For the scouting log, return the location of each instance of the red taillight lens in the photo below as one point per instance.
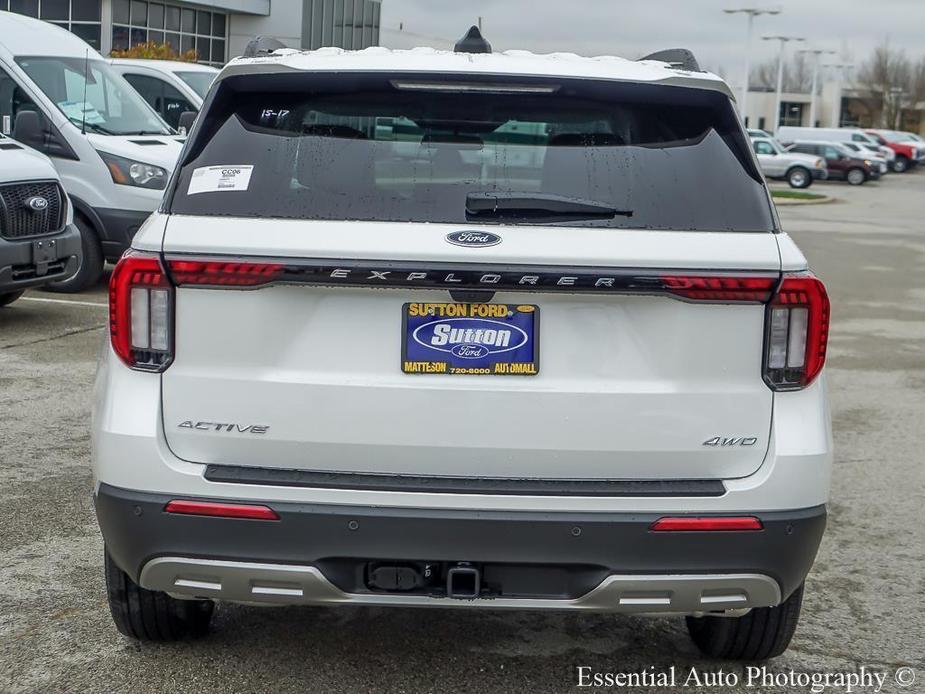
(141, 312)
(720, 289)
(211, 508)
(796, 332)
(706, 524)
(223, 274)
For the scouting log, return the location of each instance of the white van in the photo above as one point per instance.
(113, 152)
(788, 134)
(170, 86)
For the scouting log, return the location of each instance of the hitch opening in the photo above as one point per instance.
(463, 582)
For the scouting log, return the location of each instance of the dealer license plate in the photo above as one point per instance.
(470, 339)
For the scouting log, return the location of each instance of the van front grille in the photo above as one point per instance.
(31, 209)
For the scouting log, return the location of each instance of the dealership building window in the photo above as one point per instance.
(350, 24)
(184, 28)
(215, 32)
(83, 17)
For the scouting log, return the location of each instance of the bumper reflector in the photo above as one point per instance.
(706, 524)
(210, 508)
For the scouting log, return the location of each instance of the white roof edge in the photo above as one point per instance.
(512, 62)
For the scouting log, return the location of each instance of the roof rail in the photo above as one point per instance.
(473, 42)
(679, 58)
(262, 45)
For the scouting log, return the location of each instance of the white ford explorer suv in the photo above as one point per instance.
(465, 329)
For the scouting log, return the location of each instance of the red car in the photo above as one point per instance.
(909, 151)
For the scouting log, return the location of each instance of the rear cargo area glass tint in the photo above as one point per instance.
(430, 148)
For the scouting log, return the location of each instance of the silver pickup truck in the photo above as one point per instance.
(799, 170)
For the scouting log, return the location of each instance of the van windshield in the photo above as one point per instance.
(91, 94)
(458, 149)
(199, 82)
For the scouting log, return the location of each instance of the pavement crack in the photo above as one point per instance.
(67, 333)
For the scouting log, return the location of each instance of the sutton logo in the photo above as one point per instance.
(470, 338)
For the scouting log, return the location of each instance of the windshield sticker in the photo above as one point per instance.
(81, 111)
(214, 179)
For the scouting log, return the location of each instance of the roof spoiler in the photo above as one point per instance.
(679, 58)
(262, 45)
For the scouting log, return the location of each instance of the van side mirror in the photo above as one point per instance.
(34, 130)
(185, 124)
(29, 129)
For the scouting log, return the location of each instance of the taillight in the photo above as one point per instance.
(796, 332)
(719, 289)
(219, 273)
(141, 312)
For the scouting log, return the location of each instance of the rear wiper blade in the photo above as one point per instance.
(539, 205)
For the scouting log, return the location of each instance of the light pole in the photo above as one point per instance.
(751, 13)
(897, 93)
(784, 40)
(839, 80)
(815, 52)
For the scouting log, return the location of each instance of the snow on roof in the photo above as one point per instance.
(515, 62)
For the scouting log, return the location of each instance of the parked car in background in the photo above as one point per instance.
(755, 132)
(38, 240)
(170, 87)
(909, 151)
(798, 169)
(864, 151)
(787, 135)
(842, 163)
(113, 153)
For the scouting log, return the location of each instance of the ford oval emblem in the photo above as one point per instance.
(475, 239)
(37, 203)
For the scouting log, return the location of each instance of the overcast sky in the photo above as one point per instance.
(631, 28)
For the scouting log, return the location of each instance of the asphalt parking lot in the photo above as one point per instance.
(865, 601)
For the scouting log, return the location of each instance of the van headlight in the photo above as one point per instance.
(127, 172)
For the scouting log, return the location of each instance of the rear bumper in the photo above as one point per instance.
(22, 265)
(318, 554)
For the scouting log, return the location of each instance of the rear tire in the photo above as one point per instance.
(900, 164)
(148, 615)
(763, 633)
(799, 177)
(856, 177)
(91, 264)
(9, 297)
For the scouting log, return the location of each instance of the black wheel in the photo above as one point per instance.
(799, 177)
(91, 264)
(9, 297)
(763, 633)
(856, 176)
(901, 164)
(149, 615)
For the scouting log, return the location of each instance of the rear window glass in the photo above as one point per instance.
(461, 149)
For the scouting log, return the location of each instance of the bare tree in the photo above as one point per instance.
(798, 75)
(888, 80)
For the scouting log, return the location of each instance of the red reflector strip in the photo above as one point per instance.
(705, 524)
(224, 274)
(724, 289)
(209, 508)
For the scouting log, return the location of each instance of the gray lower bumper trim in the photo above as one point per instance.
(287, 584)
